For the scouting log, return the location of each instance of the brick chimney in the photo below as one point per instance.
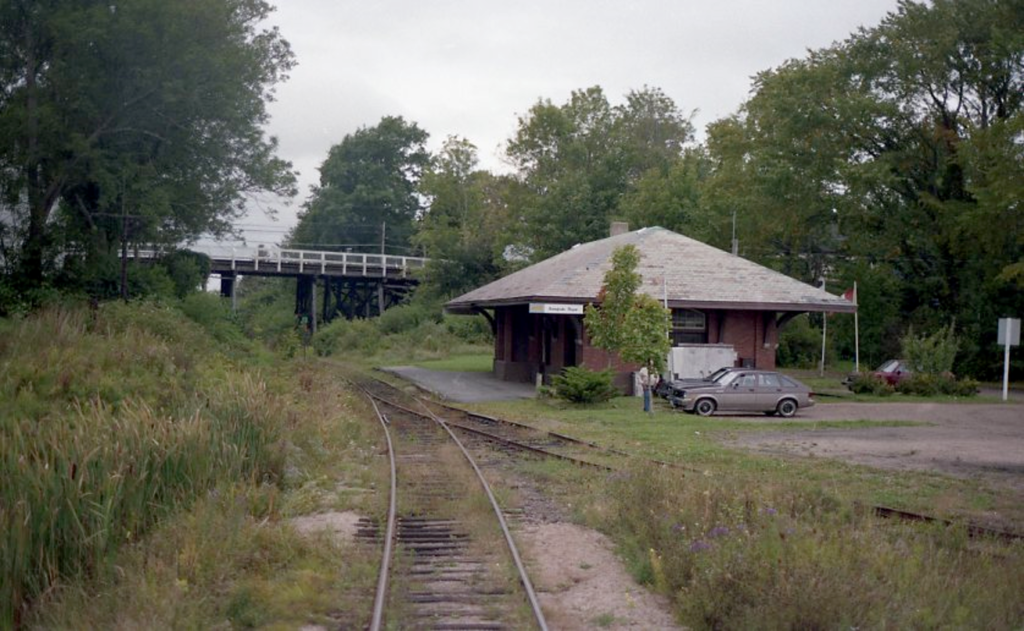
(618, 227)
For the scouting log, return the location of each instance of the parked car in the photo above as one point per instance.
(745, 390)
(667, 388)
(893, 371)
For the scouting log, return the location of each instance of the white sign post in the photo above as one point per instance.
(1009, 335)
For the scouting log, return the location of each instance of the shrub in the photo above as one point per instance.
(213, 313)
(866, 383)
(347, 336)
(582, 385)
(799, 344)
(927, 385)
(404, 318)
(472, 330)
(934, 354)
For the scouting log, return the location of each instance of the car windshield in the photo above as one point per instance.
(890, 366)
(718, 374)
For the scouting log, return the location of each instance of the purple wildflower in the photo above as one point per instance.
(718, 531)
(699, 546)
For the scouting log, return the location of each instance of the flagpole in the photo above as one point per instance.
(824, 328)
(856, 332)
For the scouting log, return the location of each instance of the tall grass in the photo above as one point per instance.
(733, 557)
(109, 421)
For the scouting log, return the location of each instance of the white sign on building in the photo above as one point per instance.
(553, 308)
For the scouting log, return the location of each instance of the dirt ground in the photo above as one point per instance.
(979, 441)
(581, 584)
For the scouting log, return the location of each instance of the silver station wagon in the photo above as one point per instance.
(746, 391)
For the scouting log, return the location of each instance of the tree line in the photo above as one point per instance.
(894, 159)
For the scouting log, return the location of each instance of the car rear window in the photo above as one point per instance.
(789, 383)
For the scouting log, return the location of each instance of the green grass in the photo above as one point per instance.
(474, 362)
(148, 478)
(698, 442)
(748, 541)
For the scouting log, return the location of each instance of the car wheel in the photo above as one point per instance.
(787, 408)
(705, 407)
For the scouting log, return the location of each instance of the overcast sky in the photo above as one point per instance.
(471, 67)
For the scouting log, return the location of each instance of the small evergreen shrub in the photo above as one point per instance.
(582, 385)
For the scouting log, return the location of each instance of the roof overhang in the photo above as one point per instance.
(472, 308)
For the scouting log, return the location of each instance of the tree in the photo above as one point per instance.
(670, 196)
(576, 161)
(893, 155)
(463, 228)
(142, 116)
(368, 185)
(635, 326)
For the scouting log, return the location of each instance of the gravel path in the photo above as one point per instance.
(961, 439)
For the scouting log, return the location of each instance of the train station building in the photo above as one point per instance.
(726, 310)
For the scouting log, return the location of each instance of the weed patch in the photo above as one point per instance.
(778, 557)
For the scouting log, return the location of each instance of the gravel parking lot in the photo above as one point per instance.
(968, 440)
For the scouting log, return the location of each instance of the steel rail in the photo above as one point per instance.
(563, 437)
(494, 437)
(513, 550)
(382, 579)
(973, 530)
(523, 446)
(524, 578)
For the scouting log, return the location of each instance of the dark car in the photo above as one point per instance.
(893, 371)
(745, 390)
(667, 388)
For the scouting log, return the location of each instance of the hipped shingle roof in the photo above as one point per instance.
(689, 273)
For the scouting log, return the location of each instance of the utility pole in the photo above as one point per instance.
(124, 249)
(383, 269)
(735, 243)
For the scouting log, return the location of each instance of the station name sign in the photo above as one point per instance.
(554, 308)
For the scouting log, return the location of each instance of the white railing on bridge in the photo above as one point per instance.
(307, 261)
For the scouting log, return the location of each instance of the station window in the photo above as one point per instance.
(689, 326)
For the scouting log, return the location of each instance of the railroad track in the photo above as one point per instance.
(516, 437)
(449, 561)
(519, 437)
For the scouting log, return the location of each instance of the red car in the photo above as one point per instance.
(893, 371)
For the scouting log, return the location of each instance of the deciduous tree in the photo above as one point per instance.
(145, 108)
(368, 189)
(464, 225)
(633, 325)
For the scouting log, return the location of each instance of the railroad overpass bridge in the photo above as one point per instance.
(352, 284)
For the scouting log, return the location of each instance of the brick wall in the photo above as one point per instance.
(748, 332)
